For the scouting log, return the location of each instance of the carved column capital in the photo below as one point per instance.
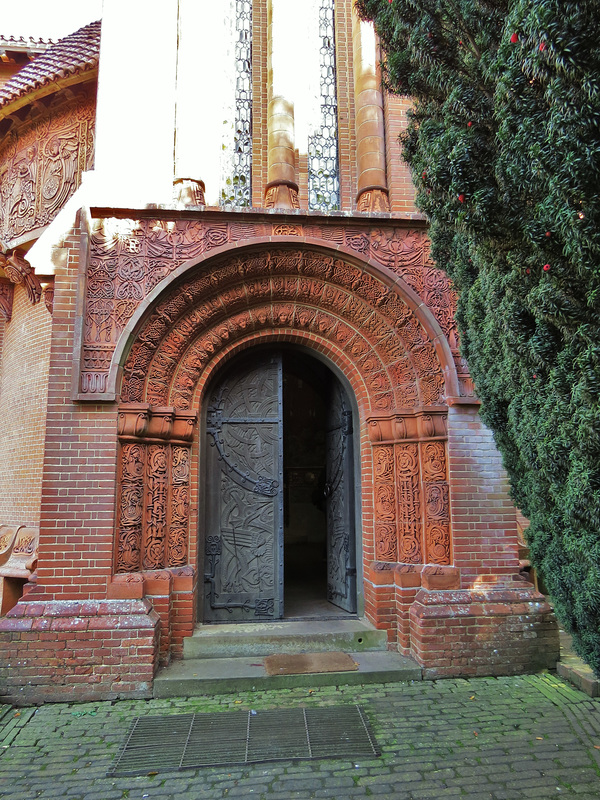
(19, 270)
(419, 425)
(6, 299)
(189, 191)
(145, 422)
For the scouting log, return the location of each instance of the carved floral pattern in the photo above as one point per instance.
(385, 504)
(153, 494)
(130, 258)
(189, 327)
(409, 503)
(130, 508)
(437, 506)
(41, 165)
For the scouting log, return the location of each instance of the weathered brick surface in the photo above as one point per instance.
(485, 631)
(84, 650)
(24, 359)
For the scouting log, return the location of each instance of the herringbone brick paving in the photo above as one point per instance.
(492, 738)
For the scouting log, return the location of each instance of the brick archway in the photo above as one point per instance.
(357, 321)
(291, 291)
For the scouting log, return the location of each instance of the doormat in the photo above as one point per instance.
(190, 741)
(301, 663)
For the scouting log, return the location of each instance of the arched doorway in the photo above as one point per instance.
(279, 491)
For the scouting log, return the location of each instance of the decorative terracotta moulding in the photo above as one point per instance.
(161, 422)
(400, 427)
(133, 420)
(19, 270)
(6, 299)
(143, 421)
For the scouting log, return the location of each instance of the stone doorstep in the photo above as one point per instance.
(191, 677)
(265, 638)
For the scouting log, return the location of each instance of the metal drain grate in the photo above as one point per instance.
(187, 741)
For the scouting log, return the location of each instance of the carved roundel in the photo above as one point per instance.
(323, 298)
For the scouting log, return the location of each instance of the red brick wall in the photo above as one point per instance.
(78, 487)
(489, 631)
(61, 651)
(346, 110)
(484, 529)
(24, 360)
(401, 189)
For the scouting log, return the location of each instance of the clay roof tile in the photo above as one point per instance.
(74, 54)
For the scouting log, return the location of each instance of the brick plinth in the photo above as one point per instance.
(65, 650)
(483, 631)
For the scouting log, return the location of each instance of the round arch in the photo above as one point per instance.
(359, 270)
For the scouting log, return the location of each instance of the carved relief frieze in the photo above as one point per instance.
(437, 504)
(129, 258)
(411, 490)
(192, 324)
(153, 487)
(41, 163)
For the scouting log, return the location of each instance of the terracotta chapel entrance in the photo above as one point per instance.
(279, 491)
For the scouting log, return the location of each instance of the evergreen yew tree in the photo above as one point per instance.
(504, 146)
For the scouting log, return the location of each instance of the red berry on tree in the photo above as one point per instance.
(527, 271)
(546, 267)
(469, 124)
(514, 38)
(461, 198)
(542, 46)
(424, 176)
(548, 234)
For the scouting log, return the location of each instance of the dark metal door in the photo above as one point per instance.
(339, 491)
(244, 537)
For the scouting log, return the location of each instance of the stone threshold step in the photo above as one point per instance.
(193, 677)
(264, 638)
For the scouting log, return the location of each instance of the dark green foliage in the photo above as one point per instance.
(516, 190)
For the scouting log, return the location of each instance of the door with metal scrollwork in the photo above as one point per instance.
(243, 564)
(339, 492)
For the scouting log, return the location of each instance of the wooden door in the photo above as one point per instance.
(244, 494)
(339, 491)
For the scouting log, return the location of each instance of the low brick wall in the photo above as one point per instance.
(64, 650)
(483, 631)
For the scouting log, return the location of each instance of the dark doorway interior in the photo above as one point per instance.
(306, 394)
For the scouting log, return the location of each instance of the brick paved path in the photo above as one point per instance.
(502, 739)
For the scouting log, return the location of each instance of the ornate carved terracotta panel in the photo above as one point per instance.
(41, 164)
(6, 299)
(412, 513)
(153, 487)
(129, 258)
